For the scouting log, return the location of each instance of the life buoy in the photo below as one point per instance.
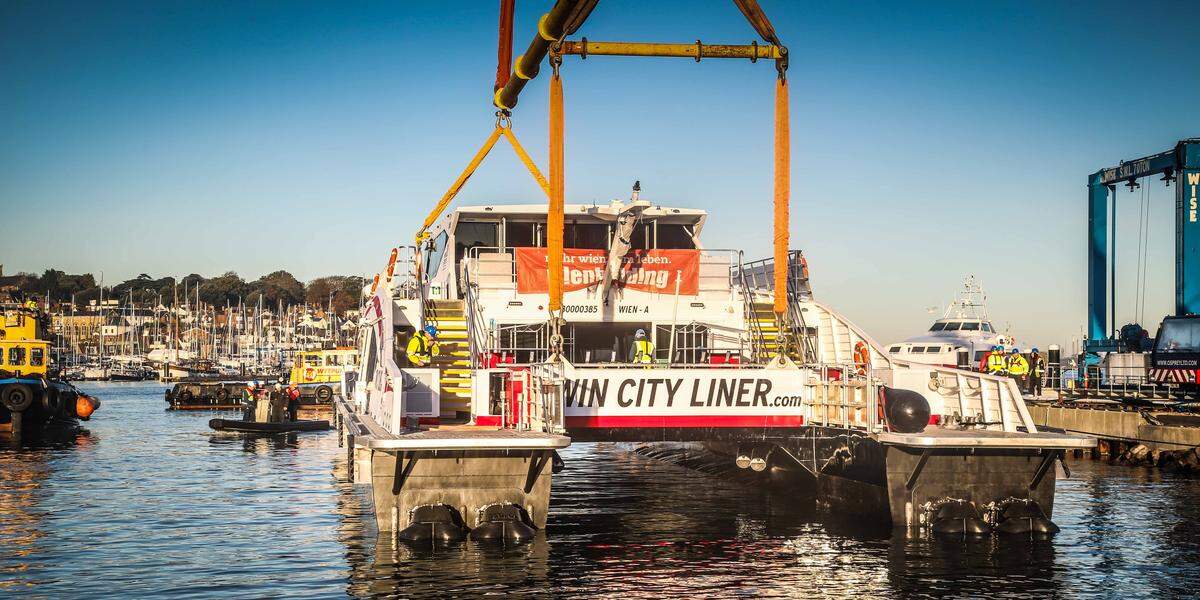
(803, 267)
(310, 374)
(862, 357)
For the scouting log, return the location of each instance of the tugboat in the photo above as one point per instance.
(33, 395)
(318, 373)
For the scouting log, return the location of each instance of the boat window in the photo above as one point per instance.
(933, 349)
(987, 327)
(640, 237)
(1178, 335)
(312, 360)
(894, 349)
(953, 326)
(37, 357)
(16, 356)
(433, 254)
(917, 350)
(519, 235)
(938, 327)
(474, 235)
(332, 360)
(590, 236)
(674, 237)
(970, 326)
(979, 354)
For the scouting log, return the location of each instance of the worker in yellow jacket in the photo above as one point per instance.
(643, 348)
(422, 347)
(997, 363)
(1018, 367)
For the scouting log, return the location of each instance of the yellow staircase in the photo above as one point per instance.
(762, 316)
(455, 357)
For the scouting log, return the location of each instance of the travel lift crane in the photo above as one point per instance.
(1181, 166)
(563, 19)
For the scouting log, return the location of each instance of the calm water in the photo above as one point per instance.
(151, 503)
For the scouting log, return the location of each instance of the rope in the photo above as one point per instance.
(503, 128)
(458, 183)
(524, 156)
(1146, 270)
(782, 192)
(1137, 291)
(554, 217)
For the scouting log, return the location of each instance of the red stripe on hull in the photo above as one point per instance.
(648, 421)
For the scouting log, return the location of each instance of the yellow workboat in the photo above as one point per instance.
(32, 393)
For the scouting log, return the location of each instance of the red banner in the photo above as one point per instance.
(644, 270)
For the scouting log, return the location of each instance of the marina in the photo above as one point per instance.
(654, 351)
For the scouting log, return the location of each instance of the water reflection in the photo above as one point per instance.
(154, 504)
(636, 527)
(25, 468)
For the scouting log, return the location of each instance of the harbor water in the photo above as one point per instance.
(151, 503)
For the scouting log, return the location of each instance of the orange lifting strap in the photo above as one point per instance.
(554, 215)
(503, 128)
(783, 159)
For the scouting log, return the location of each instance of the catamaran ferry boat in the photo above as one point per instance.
(467, 444)
(962, 337)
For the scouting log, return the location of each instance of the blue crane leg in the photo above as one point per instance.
(1097, 253)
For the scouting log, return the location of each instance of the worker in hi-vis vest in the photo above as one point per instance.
(1037, 368)
(423, 346)
(997, 364)
(1018, 367)
(643, 348)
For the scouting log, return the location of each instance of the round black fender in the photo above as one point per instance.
(959, 518)
(432, 524)
(65, 400)
(1024, 517)
(906, 410)
(324, 393)
(52, 401)
(504, 524)
(222, 394)
(16, 396)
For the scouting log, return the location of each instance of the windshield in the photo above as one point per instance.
(953, 326)
(970, 326)
(938, 327)
(1178, 335)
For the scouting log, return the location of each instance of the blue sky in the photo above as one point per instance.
(930, 140)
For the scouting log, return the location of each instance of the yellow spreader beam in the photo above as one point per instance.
(698, 50)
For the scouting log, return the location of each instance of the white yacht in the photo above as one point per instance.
(962, 337)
